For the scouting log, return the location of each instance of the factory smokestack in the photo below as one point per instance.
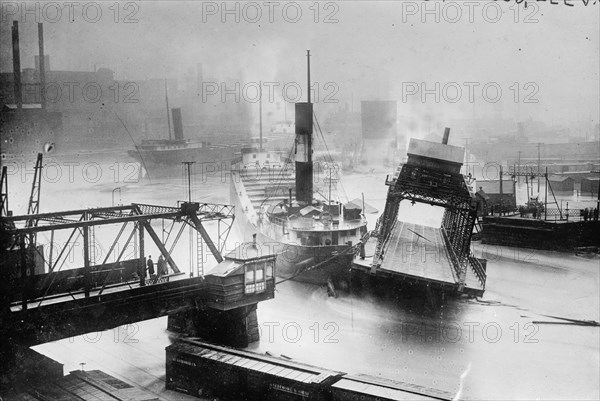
(446, 136)
(17, 65)
(42, 66)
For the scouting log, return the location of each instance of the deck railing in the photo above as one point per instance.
(456, 264)
(478, 269)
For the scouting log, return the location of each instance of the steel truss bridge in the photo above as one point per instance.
(453, 267)
(58, 303)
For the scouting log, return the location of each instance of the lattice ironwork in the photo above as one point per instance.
(83, 222)
(4, 193)
(207, 211)
(108, 214)
(448, 190)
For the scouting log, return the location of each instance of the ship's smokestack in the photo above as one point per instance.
(446, 136)
(17, 65)
(42, 66)
(168, 114)
(304, 166)
(304, 130)
(177, 124)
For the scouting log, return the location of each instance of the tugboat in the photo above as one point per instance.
(314, 239)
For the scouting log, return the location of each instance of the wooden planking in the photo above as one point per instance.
(91, 385)
(418, 251)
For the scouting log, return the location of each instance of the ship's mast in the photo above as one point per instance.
(260, 114)
(308, 74)
(168, 114)
(303, 150)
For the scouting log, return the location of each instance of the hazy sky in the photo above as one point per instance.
(371, 50)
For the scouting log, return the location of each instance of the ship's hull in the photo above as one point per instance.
(169, 161)
(311, 264)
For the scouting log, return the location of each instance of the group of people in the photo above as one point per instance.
(590, 214)
(161, 270)
(535, 210)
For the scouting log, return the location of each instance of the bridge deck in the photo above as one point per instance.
(94, 292)
(417, 253)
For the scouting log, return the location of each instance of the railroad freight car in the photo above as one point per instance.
(368, 388)
(207, 370)
(211, 371)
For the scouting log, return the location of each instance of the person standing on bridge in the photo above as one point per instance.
(161, 266)
(150, 265)
(140, 274)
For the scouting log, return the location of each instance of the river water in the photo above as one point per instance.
(477, 349)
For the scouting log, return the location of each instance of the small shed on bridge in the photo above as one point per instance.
(245, 276)
(235, 286)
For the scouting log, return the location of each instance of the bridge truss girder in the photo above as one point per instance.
(447, 190)
(82, 222)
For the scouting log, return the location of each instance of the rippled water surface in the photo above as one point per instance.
(479, 349)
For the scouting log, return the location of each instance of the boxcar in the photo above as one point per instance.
(207, 370)
(367, 388)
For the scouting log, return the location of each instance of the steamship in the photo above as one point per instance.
(162, 157)
(274, 191)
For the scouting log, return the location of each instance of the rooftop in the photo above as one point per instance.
(225, 268)
(249, 251)
(297, 371)
(434, 150)
(559, 178)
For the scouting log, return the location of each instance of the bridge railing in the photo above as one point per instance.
(456, 264)
(382, 240)
(472, 262)
(478, 269)
(73, 287)
(61, 282)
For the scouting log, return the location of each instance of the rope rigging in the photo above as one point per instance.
(343, 190)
